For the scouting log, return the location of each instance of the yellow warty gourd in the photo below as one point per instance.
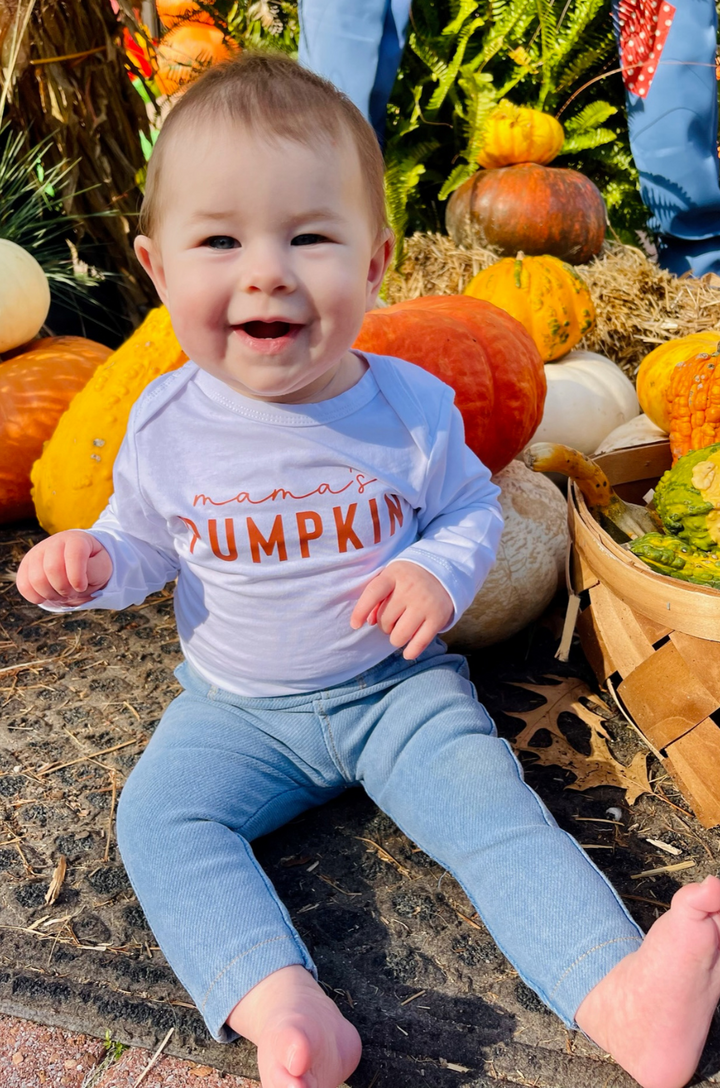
(72, 478)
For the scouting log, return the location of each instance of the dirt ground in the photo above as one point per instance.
(397, 943)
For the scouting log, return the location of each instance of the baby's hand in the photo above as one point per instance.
(64, 569)
(407, 603)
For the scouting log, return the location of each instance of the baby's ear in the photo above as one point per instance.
(148, 254)
(379, 265)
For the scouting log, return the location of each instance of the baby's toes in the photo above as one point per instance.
(698, 899)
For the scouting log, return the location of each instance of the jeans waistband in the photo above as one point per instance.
(388, 671)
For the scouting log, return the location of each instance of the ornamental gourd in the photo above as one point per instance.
(24, 296)
(693, 399)
(536, 209)
(653, 377)
(36, 386)
(687, 498)
(515, 134)
(672, 556)
(478, 349)
(548, 298)
(72, 480)
(529, 565)
(588, 396)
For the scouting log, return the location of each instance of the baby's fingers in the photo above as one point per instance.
(420, 640)
(375, 592)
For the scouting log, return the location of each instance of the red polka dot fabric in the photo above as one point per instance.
(644, 27)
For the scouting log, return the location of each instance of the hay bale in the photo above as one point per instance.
(639, 305)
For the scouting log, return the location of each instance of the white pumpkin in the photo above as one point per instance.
(638, 432)
(530, 563)
(24, 296)
(588, 396)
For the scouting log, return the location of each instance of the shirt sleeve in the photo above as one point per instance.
(136, 537)
(460, 521)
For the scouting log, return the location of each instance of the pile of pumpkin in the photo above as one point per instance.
(515, 377)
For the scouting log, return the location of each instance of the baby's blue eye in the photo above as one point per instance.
(221, 241)
(308, 239)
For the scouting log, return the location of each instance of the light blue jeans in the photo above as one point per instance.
(221, 770)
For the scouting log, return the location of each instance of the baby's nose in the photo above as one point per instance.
(267, 270)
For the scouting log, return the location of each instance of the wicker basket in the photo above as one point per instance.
(653, 639)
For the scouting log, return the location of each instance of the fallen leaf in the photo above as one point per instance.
(599, 768)
(202, 1071)
(18, 1058)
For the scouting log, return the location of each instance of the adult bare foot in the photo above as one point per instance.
(303, 1040)
(652, 1011)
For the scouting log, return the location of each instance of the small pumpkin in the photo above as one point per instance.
(653, 377)
(72, 479)
(24, 296)
(516, 134)
(588, 396)
(547, 297)
(185, 51)
(530, 563)
(35, 389)
(536, 209)
(478, 349)
(172, 12)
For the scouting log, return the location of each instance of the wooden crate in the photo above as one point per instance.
(653, 639)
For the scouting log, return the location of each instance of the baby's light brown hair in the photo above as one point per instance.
(273, 96)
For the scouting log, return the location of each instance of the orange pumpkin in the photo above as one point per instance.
(517, 134)
(35, 389)
(536, 209)
(693, 399)
(186, 51)
(478, 349)
(172, 12)
(653, 377)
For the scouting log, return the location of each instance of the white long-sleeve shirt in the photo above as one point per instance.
(274, 517)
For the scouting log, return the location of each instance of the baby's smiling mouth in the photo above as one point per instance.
(268, 330)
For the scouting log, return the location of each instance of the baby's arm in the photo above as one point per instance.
(127, 554)
(66, 569)
(425, 590)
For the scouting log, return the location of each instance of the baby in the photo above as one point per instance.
(326, 522)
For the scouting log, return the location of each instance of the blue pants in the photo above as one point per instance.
(221, 770)
(357, 45)
(673, 136)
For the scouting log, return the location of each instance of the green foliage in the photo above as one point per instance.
(464, 57)
(32, 216)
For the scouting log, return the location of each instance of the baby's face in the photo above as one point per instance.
(266, 258)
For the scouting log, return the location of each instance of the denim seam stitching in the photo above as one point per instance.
(597, 947)
(268, 940)
(338, 762)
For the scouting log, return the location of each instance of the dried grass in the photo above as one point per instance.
(639, 305)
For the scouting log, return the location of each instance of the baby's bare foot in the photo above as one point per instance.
(303, 1040)
(652, 1012)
